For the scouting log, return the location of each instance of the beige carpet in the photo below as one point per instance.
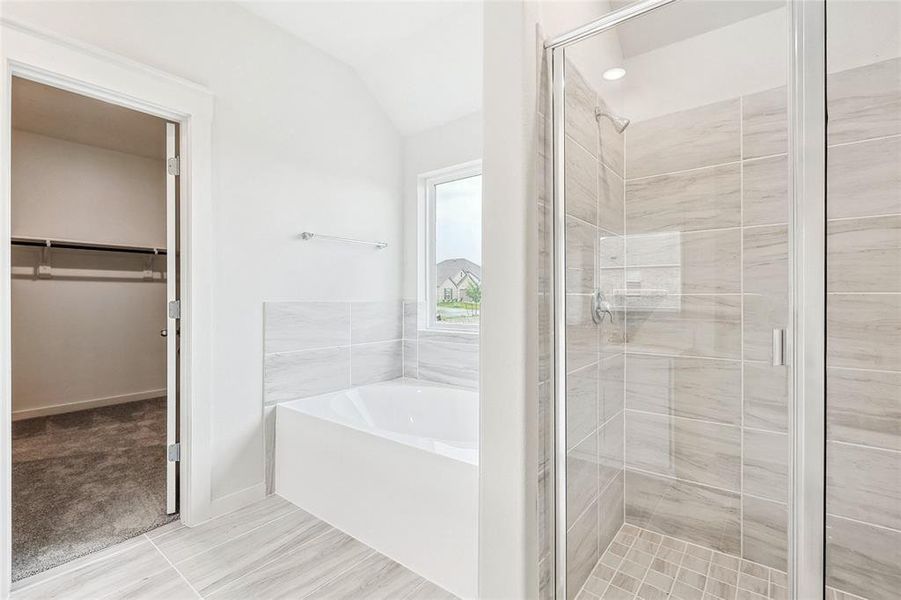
(86, 480)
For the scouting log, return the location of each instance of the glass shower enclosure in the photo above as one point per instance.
(720, 288)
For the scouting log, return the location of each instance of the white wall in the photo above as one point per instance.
(298, 144)
(453, 143)
(69, 332)
(73, 191)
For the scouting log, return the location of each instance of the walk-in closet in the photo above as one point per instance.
(94, 400)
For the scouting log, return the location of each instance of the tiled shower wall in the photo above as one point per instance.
(706, 442)
(706, 414)
(863, 280)
(594, 354)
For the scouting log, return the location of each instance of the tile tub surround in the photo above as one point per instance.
(863, 392)
(706, 450)
(312, 348)
(439, 355)
(265, 550)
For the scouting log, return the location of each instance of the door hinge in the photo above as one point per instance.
(174, 452)
(173, 166)
(175, 309)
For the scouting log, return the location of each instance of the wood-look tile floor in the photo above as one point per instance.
(649, 566)
(270, 549)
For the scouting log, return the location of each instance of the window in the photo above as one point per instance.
(452, 246)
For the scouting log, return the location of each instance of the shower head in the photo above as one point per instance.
(619, 123)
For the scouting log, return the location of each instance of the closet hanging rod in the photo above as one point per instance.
(306, 235)
(74, 245)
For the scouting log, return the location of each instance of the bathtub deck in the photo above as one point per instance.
(267, 550)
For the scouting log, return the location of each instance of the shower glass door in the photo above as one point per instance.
(671, 232)
(863, 303)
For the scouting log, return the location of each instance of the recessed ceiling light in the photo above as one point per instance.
(614, 74)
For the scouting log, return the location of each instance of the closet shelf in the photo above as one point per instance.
(77, 245)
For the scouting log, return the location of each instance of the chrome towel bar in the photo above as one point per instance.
(306, 235)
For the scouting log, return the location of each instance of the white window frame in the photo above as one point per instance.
(428, 288)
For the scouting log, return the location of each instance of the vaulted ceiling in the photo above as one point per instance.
(421, 60)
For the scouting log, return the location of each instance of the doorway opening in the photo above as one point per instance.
(95, 325)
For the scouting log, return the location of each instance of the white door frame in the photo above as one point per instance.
(42, 56)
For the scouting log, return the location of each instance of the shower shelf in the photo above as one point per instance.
(649, 293)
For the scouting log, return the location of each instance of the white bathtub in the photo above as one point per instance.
(394, 465)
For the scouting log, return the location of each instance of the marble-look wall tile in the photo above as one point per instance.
(766, 396)
(611, 250)
(581, 333)
(762, 314)
(698, 137)
(581, 550)
(765, 532)
(863, 407)
(610, 450)
(376, 321)
(292, 375)
(863, 179)
(700, 514)
(697, 388)
(581, 403)
(581, 183)
(864, 255)
(865, 102)
(291, 326)
(708, 262)
(372, 363)
(581, 477)
(411, 359)
(864, 484)
(765, 260)
(705, 326)
(611, 382)
(765, 123)
(863, 559)
(697, 451)
(765, 273)
(765, 464)
(864, 331)
(765, 191)
(269, 448)
(579, 102)
(611, 200)
(610, 511)
(446, 336)
(453, 364)
(691, 201)
(581, 250)
(411, 319)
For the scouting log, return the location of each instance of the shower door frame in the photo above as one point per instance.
(807, 314)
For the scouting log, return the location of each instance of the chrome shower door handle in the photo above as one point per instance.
(778, 347)
(600, 307)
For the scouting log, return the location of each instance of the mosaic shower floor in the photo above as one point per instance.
(646, 565)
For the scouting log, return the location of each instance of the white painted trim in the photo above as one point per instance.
(67, 407)
(237, 500)
(41, 56)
